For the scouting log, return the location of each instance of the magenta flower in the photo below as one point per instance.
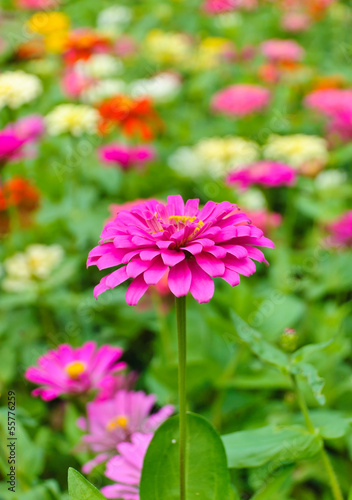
(341, 231)
(17, 138)
(111, 384)
(195, 245)
(336, 105)
(126, 156)
(126, 468)
(277, 50)
(222, 6)
(265, 173)
(240, 100)
(265, 220)
(71, 370)
(114, 421)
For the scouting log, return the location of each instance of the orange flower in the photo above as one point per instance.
(17, 193)
(84, 42)
(134, 116)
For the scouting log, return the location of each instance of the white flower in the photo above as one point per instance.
(161, 88)
(214, 156)
(296, 149)
(103, 89)
(25, 270)
(76, 119)
(99, 66)
(330, 179)
(18, 88)
(115, 17)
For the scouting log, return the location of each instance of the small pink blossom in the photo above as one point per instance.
(37, 4)
(126, 157)
(115, 421)
(194, 245)
(240, 100)
(69, 370)
(295, 22)
(341, 231)
(265, 173)
(277, 50)
(264, 220)
(126, 468)
(125, 46)
(73, 83)
(222, 6)
(16, 140)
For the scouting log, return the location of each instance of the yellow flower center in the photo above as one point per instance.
(185, 219)
(75, 369)
(119, 422)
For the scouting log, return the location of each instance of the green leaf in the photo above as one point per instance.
(81, 489)
(309, 349)
(207, 477)
(313, 379)
(256, 447)
(277, 487)
(260, 347)
(332, 424)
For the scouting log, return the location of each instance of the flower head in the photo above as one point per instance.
(264, 173)
(125, 469)
(25, 270)
(196, 245)
(162, 87)
(168, 48)
(134, 116)
(17, 193)
(17, 136)
(126, 157)
(76, 119)
(341, 231)
(82, 43)
(214, 156)
(277, 50)
(297, 149)
(18, 88)
(70, 370)
(240, 100)
(114, 421)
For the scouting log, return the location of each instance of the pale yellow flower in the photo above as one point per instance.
(167, 48)
(76, 119)
(18, 88)
(25, 270)
(210, 52)
(297, 149)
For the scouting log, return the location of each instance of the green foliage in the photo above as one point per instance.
(81, 489)
(207, 476)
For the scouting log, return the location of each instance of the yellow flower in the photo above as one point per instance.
(297, 149)
(53, 26)
(76, 119)
(210, 52)
(168, 48)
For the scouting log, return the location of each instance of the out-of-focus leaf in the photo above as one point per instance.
(256, 447)
(81, 489)
(306, 350)
(263, 349)
(277, 487)
(332, 424)
(313, 379)
(208, 477)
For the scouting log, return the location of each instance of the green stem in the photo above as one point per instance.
(181, 333)
(334, 484)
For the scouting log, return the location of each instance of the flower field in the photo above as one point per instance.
(176, 250)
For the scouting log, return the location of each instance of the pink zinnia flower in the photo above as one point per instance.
(265, 173)
(114, 421)
(222, 6)
(240, 100)
(69, 370)
(195, 245)
(264, 220)
(277, 50)
(126, 468)
(341, 231)
(37, 4)
(126, 156)
(336, 105)
(111, 384)
(16, 139)
(295, 22)
(74, 83)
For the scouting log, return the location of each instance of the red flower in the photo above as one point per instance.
(136, 117)
(19, 194)
(84, 42)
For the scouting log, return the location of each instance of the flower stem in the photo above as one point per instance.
(181, 333)
(334, 484)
